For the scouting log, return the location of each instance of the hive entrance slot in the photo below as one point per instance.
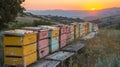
(14, 56)
(11, 35)
(13, 46)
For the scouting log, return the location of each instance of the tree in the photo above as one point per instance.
(9, 10)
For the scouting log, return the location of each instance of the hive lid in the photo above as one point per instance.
(17, 32)
(80, 23)
(75, 23)
(89, 36)
(46, 63)
(35, 28)
(74, 48)
(60, 56)
(48, 27)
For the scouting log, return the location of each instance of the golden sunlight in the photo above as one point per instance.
(93, 9)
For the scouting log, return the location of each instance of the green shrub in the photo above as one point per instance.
(16, 25)
(19, 25)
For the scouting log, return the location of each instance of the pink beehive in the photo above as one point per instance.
(43, 52)
(68, 30)
(68, 36)
(43, 43)
(96, 27)
(63, 37)
(63, 43)
(63, 30)
(43, 34)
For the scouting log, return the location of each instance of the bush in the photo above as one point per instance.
(19, 25)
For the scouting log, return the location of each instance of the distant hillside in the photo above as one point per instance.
(64, 13)
(112, 22)
(105, 22)
(83, 14)
(28, 17)
(103, 13)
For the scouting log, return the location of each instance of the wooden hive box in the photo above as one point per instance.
(53, 32)
(21, 61)
(19, 37)
(19, 47)
(54, 47)
(20, 51)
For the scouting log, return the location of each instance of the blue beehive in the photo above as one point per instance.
(54, 47)
(80, 29)
(72, 36)
(53, 40)
(92, 27)
(54, 44)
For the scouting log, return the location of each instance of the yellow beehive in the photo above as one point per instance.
(83, 33)
(76, 27)
(17, 61)
(20, 51)
(77, 35)
(18, 39)
(55, 32)
(76, 30)
(88, 27)
(83, 29)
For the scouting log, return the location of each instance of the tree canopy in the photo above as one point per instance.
(9, 10)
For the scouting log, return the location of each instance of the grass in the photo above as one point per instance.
(103, 50)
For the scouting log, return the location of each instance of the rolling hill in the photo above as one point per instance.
(28, 17)
(83, 14)
(111, 22)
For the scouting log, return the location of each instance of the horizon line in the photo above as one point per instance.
(71, 9)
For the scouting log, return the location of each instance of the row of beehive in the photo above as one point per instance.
(87, 27)
(24, 46)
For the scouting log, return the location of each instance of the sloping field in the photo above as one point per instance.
(103, 50)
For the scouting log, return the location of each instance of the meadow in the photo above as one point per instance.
(103, 50)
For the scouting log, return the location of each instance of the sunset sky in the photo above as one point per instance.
(70, 4)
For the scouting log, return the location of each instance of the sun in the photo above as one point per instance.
(93, 9)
